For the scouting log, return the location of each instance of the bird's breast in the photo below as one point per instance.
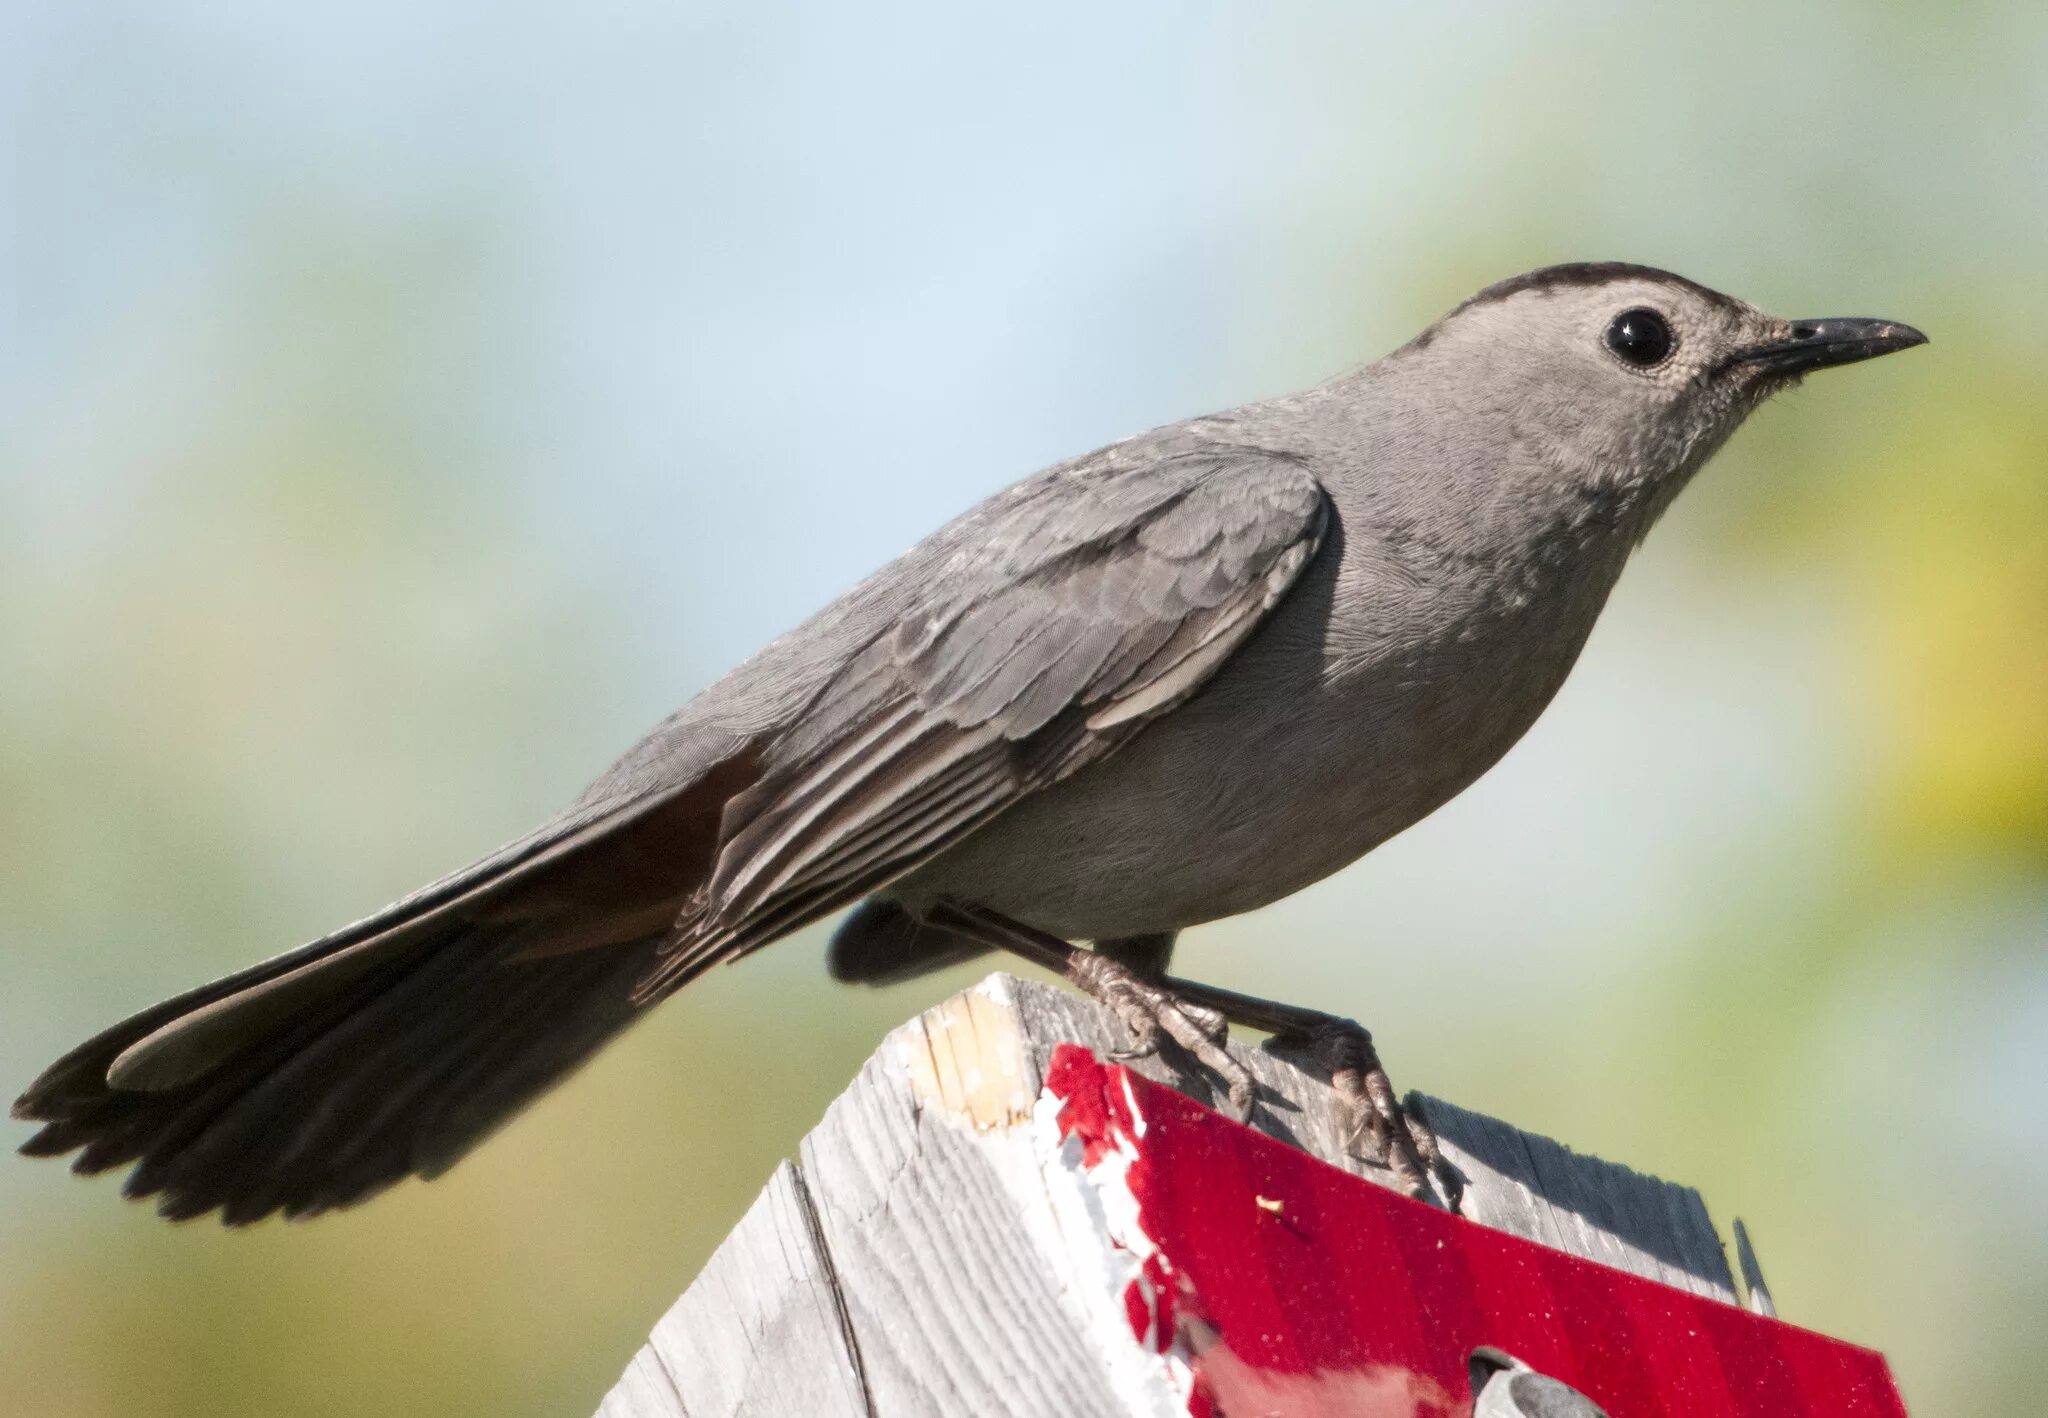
(1370, 699)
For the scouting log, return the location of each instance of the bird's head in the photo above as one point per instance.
(1625, 378)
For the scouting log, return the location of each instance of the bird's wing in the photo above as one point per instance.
(1048, 626)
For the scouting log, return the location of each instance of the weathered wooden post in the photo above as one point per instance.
(993, 1221)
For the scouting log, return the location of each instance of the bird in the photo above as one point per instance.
(1505, 1387)
(1165, 682)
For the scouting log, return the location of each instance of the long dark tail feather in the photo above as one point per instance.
(80, 1076)
(880, 943)
(391, 1048)
(399, 1073)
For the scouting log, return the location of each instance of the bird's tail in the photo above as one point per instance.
(334, 1096)
(391, 1048)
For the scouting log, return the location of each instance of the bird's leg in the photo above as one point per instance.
(1146, 957)
(1378, 1130)
(1150, 1008)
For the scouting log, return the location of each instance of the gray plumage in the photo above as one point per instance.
(1171, 680)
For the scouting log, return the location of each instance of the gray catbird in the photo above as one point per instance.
(1171, 680)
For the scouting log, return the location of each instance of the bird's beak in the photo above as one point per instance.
(1816, 344)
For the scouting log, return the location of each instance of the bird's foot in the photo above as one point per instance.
(1152, 1011)
(1378, 1130)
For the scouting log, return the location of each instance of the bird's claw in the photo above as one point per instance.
(1377, 1129)
(1152, 1012)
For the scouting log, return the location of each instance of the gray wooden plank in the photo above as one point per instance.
(948, 1290)
(1542, 1191)
(1518, 1182)
(919, 1260)
(1755, 1293)
(757, 1333)
(645, 1390)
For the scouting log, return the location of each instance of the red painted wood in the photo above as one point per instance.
(1301, 1291)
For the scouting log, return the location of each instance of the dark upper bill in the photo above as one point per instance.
(1817, 344)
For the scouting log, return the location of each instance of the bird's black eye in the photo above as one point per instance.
(1640, 336)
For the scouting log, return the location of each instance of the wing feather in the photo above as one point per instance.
(1063, 616)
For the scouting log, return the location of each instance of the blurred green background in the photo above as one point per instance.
(404, 405)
